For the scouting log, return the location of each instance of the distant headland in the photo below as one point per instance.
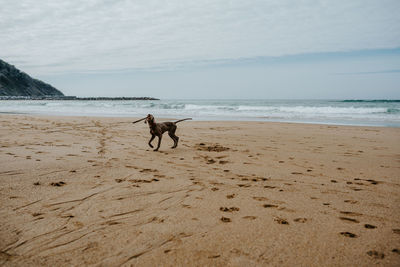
(14, 82)
(17, 85)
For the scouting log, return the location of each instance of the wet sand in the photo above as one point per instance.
(89, 191)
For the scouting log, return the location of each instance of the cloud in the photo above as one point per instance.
(51, 36)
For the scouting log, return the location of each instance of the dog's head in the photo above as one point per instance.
(149, 119)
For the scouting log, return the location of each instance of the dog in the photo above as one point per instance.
(157, 129)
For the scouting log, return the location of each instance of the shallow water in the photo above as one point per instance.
(345, 112)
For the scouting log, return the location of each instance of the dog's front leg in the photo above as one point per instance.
(151, 140)
(159, 142)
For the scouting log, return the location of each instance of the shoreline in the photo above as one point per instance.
(197, 119)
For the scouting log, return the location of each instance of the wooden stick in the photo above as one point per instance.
(139, 120)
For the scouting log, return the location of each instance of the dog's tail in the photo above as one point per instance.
(183, 120)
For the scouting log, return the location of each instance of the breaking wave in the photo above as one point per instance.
(353, 112)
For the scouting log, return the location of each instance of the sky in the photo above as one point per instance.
(300, 49)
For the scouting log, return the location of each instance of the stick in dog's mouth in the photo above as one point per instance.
(139, 120)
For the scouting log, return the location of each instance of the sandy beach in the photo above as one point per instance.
(89, 191)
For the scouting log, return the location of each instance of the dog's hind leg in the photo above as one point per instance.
(159, 142)
(171, 133)
(175, 138)
(151, 139)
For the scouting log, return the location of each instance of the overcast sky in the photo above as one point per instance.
(207, 49)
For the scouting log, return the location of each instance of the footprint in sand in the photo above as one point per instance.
(369, 226)
(250, 217)
(211, 148)
(130, 166)
(348, 234)
(270, 206)
(230, 196)
(141, 180)
(300, 220)
(373, 181)
(260, 198)
(214, 256)
(351, 213)
(225, 219)
(375, 254)
(61, 183)
(351, 201)
(281, 221)
(226, 209)
(349, 219)
(259, 179)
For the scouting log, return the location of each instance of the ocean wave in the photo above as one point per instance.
(314, 110)
(279, 110)
(371, 101)
(208, 107)
(393, 110)
(333, 110)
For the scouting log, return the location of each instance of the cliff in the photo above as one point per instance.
(14, 82)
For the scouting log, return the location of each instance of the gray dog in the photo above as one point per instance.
(157, 129)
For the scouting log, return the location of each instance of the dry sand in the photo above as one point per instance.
(89, 191)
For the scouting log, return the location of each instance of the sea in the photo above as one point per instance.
(339, 112)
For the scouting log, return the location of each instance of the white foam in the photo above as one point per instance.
(321, 111)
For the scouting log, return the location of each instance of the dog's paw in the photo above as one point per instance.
(155, 150)
(151, 146)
